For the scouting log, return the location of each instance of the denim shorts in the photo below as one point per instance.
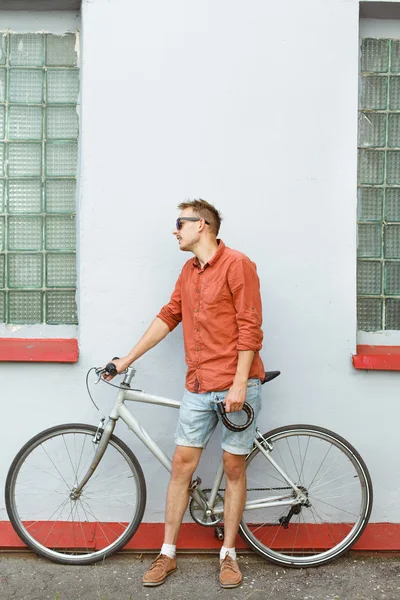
(198, 417)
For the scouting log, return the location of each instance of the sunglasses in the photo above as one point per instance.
(179, 222)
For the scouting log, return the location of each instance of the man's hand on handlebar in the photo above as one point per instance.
(120, 364)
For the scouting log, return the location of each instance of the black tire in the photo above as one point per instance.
(27, 525)
(323, 540)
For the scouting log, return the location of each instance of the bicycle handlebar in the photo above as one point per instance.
(111, 369)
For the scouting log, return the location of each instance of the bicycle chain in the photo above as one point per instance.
(261, 489)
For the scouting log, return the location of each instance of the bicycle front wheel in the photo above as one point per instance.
(336, 483)
(54, 524)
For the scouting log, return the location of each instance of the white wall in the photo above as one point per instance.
(253, 107)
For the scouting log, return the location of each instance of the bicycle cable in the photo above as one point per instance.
(87, 386)
(100, 379)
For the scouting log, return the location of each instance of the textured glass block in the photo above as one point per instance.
(369, 278)
(392, 204)
(374, 92)
(2, 152)
(61, 270)
(25, 307)
(369, 314)
(2, 85)
(60, 195)
(2, 307)
(371, 166)
(25, 270)
(24, 196)
(2, 270)
(61, 159)
(60, 50)
(25, 160)
(369, 241)
(62, 86)
(60, 233)
(374, 55)
(394, 93)
(370, 203)
(26, 85)
(61, 123)
(393, 166)
(2, 232)
(394, 131)
(25, 123)
(392, 314)
(2, 122)
(24, 233)
(392, 278)
(395, 57)
(392, 241)
(61, 308)
(2, 195)
(3, 49)
(372, 130)
(26, 49)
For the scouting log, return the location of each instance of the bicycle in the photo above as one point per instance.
(309, 492)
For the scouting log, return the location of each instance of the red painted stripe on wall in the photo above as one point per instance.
(378, 537)
(377, 358)
(39, 350)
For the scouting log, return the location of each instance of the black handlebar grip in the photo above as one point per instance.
(232, 426)
(111, 369)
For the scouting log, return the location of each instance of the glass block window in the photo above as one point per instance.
(39, 86)
(378, 270)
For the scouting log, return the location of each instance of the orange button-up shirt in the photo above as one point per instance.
(220, 310)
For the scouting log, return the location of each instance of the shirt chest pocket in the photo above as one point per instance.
(215, 294)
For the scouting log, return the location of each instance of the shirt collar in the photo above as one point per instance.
(213, 260)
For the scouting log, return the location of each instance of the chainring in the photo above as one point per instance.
(200, 516)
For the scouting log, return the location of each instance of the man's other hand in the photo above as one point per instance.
(236, 397)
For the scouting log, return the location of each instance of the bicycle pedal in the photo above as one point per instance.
(195, 484)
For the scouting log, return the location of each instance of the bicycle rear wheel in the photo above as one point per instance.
(54, 525)
(332, 475)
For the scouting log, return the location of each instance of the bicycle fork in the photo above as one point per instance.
(101, 438)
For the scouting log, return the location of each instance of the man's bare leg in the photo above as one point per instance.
(235, 498)
(184, 464)
(235, 495)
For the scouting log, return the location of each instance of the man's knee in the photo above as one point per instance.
(234, 466)
(185, 461)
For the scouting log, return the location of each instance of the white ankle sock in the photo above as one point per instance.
(230, 551)
(168, 550)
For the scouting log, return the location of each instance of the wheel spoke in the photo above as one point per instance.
(60, 526)
(335, 488)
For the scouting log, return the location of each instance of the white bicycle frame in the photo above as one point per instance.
(120, 411)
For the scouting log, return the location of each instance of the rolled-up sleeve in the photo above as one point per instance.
(171, 313)
(244, 285)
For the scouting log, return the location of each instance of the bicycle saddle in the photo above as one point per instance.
(269, 376)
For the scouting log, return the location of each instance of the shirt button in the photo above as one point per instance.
(198, 366)
(197, 291)
(197, 329)
(196, 310)
(198, 349)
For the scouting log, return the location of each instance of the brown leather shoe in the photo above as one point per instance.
(159, 570)
(230, 575)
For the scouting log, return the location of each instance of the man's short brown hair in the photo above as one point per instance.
(206, 211)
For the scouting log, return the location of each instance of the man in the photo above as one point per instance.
(217, 298)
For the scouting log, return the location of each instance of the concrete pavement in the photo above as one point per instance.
(26, 577)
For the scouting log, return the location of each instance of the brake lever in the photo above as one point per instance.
(99, 373)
